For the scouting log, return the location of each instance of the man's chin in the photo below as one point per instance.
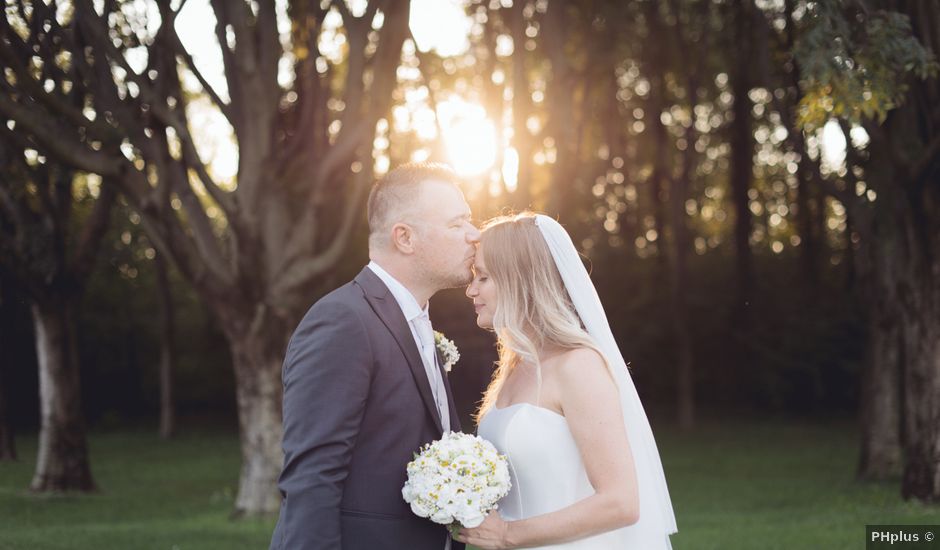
(461, 279)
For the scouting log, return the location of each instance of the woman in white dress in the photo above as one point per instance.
(562, 407)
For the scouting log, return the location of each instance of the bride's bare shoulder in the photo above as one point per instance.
(578, 362)
(584, 383)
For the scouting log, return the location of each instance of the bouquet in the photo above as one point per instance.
(456, 479)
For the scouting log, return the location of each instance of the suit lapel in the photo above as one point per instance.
(388, 310)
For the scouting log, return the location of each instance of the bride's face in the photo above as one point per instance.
(482, 291)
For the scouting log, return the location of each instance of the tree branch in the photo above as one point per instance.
(225, 108)
(301, 273)
(51, 136)
(95, 227)
(232, 76)
(35, 91)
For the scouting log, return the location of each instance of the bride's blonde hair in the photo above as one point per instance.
(533, 309)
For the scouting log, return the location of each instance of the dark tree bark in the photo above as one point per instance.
(7, 439)
(685, 375)
(167, 349)
(521, 198)
(904, 169)
(742, 165)
(880, 400)
(62, 463)
(875, 266)
(657, 60)
(809, 246)
(562, 121)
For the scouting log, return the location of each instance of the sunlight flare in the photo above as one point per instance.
(469, 136)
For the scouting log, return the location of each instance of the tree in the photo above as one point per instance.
(7, 441)
(253, 250)
(881, 73)
(42, 249)
(167, 348)
(742, 167)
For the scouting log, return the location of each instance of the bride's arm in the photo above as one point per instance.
(591, 403)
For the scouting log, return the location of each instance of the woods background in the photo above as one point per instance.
(754, 183)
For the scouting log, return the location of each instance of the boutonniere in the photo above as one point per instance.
(447, 349)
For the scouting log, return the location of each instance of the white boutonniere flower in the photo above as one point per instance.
(448, 350)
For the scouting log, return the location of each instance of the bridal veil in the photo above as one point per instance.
(657, 520)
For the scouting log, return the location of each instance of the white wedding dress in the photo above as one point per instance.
(545, 468)
(544, 462)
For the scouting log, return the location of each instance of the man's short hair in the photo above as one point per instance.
(392, 195)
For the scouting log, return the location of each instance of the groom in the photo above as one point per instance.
(363, 387)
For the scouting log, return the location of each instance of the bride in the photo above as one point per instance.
(562, 407)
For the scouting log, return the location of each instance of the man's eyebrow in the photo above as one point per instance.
(459, 217)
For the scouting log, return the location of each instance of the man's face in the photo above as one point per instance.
(446, 237)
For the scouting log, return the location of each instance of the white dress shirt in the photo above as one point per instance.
(413, 314)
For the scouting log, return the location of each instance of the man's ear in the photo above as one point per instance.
(403, 238)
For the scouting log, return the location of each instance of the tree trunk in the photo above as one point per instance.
(920, 303)
(906, 207)
(922, 404)
(880, 407)
(560, 99)
(920, 296)
(742, 166)
(680, 315)
(167, 350)
(809, 248)
(522, 139)
(257, 353)
(7, 442)
(62, 463)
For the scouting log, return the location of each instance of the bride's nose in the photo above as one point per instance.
(471, 290)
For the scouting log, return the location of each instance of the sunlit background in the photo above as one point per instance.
(454, 120)
(759, 228)
(451, 123)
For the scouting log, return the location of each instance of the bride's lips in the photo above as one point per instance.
(478, 307)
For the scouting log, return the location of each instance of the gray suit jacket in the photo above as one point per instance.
(357, 405)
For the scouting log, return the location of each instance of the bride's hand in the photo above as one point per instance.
(489, 535)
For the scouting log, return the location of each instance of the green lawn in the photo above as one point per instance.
(753, 485)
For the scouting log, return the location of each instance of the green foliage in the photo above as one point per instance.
(854, 64)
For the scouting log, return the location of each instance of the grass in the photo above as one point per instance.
(776, 485)
(174, 495)
(735, 485)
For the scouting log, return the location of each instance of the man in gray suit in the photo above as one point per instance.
(363, 384)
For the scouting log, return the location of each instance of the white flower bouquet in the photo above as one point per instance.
(456, 479)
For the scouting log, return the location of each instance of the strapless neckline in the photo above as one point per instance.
(531, 406)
